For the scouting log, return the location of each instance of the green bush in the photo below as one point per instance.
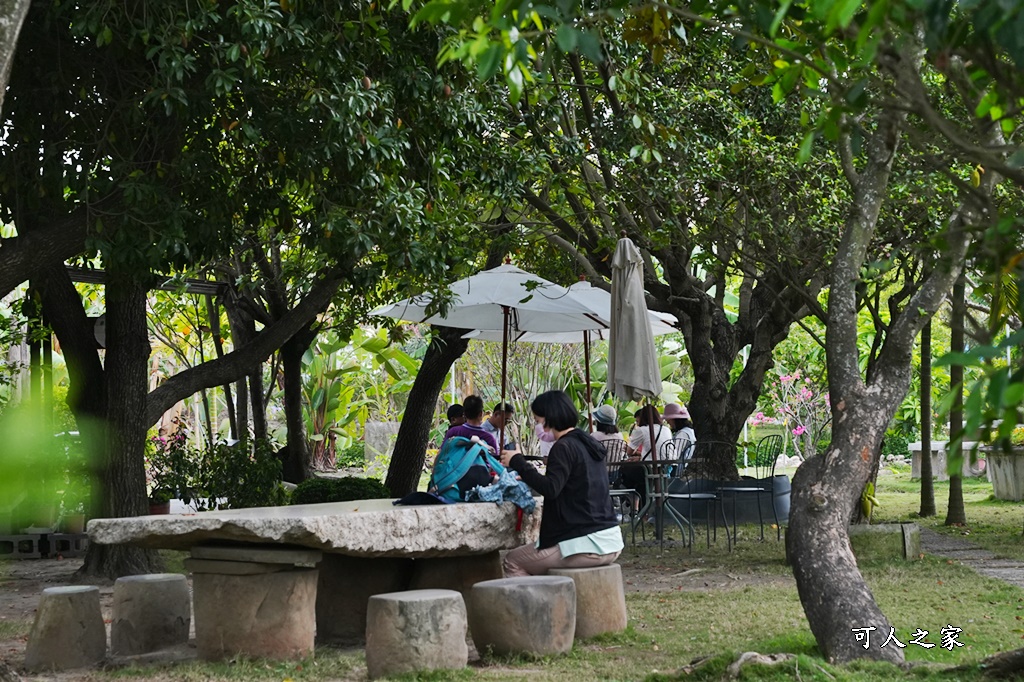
(352, 456)
(317, 490)
(895, 443)
(247, 477)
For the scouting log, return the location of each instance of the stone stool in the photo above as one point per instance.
(150, 612)
(68, 631)
(532, 614)
(600, 599)
(415, 630)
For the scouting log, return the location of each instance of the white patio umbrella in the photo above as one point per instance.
(599, 302)
(505, 300)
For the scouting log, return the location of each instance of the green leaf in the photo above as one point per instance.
(514, 81)
(1013, 395)
(566, 38)
(637, 122)
(846, 11)
(489, 61)
(780, 14)
(806, 146)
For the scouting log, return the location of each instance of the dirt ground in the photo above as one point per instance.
(22, 582)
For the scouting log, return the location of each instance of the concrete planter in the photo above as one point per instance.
(885, 541)
(746, 505)
(1006, 472)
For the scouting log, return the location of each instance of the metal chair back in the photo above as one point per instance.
(766, 455)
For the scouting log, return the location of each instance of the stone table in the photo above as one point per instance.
(368, 547)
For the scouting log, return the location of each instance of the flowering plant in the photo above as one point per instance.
(801, 405)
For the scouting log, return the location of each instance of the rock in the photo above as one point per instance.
(529, 615)
(267, 615)
(150, 612)
(600, 599)
(345, 585)
(368, 528)
(68, 631)
(413, 631)
(885, 541)
(754, 658)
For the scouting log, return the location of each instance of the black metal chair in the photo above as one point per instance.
(625, 500)
(767, 453)
(694, 482)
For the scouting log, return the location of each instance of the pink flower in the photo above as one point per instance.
(799, 431)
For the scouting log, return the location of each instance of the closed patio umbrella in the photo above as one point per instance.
(633, 369)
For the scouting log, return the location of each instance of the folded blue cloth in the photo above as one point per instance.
(508, 488)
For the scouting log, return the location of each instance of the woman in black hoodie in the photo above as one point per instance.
(578, 528)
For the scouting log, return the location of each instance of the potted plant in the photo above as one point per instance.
(169, 461)
(1005, 466)
(160, 500)
(72, 509)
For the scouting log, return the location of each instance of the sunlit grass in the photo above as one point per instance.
(714, 604)
(993, 524)
(749, 604)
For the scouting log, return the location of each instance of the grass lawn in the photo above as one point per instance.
(993, 524)
(718, 604)
(670, 628)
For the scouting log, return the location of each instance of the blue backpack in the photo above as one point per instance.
(454, 462)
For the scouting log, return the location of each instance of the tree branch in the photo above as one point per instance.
(240, 361)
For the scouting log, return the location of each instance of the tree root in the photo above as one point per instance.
(1004, 665)
(752, 657)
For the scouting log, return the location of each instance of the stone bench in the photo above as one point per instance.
(600, 599)
(413, 631)
(68, 630)
(533, 615)
(368, 547)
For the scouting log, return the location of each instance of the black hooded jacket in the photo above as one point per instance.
(575, 489)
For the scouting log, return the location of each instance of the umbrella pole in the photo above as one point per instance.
(586, 369)
(659, 502)
(504, 371)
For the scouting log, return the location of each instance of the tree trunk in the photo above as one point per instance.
(242, 412)
(833, 592)
(446, 346)
(956, 515)
(241, 361)
(296, 464)
(87, 389)
(927, 483)
(835, 597)
(243, 330)
(12, 16)
(259, 408)
(123, 475)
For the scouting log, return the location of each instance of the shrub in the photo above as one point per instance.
(246, 477)
(895, 443)
(352, 456)
(317, 490)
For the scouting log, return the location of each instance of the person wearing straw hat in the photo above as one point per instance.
(678, 419)
(578, 527)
